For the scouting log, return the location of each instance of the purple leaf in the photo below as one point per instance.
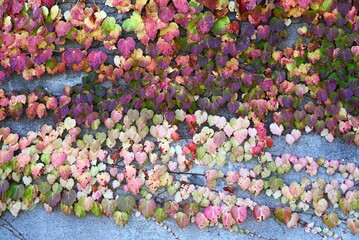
(43, 56)
(233, 106)
(166, 14)
(18, 63)
(95, 59)
(322, 95)
(277, 24)
(126, 46)
(72, 56)
(263, 31)
(331, 33)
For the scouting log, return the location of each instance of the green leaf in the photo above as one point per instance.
(325, 5)
(275, 183)
(121, 218)
(132, 23)
(126, 203)
(160, 214)
(79, 210)
(29, 195)
(220, 25)
(44, 187)
(15, 191)
(96, 209)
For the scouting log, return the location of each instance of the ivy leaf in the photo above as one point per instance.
(283, 214)
(182, 219)
(134, 185)
(166, 14)
(212, 213)
(95, 59)
(239, 214)
(220, 26)
(160, 214)
(201, 220)
(181, 5)
(72, 56)
(260, 213)
(121, 218)
(190, 209)
(79, 210)
(170, 32)
(206, 22)
(29, 195)
(126, 46)
(108, 206)
(277, 24)
(19, 63)
(62, 28)
(68, 197)
(133, 22)
(126, 203)
(96, 209)
(4, 186)
(353, 225)
(15, 191)
(332, 33)
(53, 198)
(331, 219)
(146, 207)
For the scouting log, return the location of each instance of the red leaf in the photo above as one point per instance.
(126, 46)
(48, 3)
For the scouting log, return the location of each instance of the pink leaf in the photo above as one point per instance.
(289, 139)
(103, 178)
(166, 14)
(182, 219)
(62, 28)
(275, 129)
(201, 220)
(141, 157)
(181, 5)
(95, 59)
(84, 179)
(146, 207)
(126, 46)
(213, 213)
(58, 159)
(260, 213)
(134, 185)
(239, 214)
(227, 220)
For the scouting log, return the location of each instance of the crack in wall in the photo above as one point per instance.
(4, 223)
